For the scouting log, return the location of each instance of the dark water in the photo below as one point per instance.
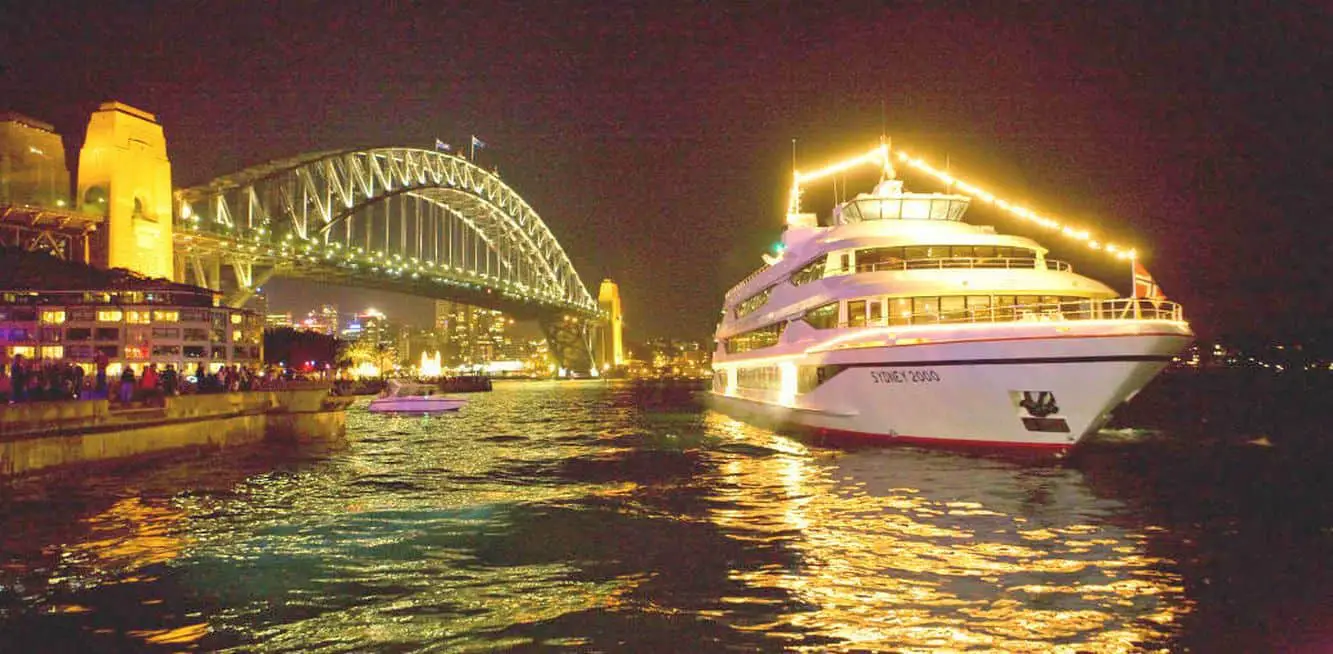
(604, 517)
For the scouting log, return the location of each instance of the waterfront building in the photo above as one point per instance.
(53, 310)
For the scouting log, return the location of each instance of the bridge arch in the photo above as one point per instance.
(411, 220)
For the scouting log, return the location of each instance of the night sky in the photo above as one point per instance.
(655, 138)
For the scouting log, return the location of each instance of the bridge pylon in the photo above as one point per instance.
(570, 339)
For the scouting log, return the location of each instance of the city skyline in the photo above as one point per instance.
(656, 142)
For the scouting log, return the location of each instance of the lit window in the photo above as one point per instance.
(21, 350)
(138, 317)
(53, 352)
(166, 316)
(236, 318)
(136, 352)
(53, 317)
(110, 315)
(236, 336)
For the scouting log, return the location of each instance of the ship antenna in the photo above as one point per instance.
(793, 156)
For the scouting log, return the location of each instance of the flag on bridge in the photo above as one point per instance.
(1144, 285)
(441, 145)
(476, 142)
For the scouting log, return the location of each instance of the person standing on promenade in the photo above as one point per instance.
(169, 380)
(148, 382)
(126, 385)
(18, 375)
(100, 360)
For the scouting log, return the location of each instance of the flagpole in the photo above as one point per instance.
(472, 148)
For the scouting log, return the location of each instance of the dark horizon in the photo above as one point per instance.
(656, 141)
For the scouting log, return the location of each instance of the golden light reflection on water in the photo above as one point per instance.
(129, 535)
(913, 551)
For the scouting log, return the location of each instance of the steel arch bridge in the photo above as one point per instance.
(408, 220)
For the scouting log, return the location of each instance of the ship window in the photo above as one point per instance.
(856, 313)
(978, 307)
(825, 317)
(756, 338)
(871, 259)
(900, 311)
(876, 312)
(925, 310)
(765, 378)
(916, 252)
(953, 309)
(809, 272)
(748, 305)
(963, 251)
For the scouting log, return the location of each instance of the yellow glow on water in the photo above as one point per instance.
(888, 565)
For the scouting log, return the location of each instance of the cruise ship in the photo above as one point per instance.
(894, 320)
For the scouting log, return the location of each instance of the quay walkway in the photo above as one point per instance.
(36, 436)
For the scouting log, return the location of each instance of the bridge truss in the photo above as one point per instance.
(409, 220)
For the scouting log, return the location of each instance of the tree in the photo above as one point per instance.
(296, 349)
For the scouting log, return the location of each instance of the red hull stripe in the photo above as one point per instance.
(1008, 362)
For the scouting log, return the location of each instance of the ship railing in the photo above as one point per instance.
(1128, 309)
(959, 262)
(732, 291)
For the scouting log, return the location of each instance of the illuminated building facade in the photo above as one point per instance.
(130, 320)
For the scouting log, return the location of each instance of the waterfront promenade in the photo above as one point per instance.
(36, 436)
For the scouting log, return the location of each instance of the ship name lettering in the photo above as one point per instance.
(923, 376)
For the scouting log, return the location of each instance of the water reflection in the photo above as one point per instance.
(918, 549)
(585, 516)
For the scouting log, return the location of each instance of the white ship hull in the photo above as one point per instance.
(1020, 386)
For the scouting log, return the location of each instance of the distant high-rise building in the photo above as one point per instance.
(612, 347)
(323, 320)
(472, 335)
(276, 320)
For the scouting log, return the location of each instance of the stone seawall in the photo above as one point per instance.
(39, 435)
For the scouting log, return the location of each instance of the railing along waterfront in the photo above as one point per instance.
(1117, 309)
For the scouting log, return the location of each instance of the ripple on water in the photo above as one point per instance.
(593, 516)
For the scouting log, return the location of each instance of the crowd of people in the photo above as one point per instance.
(25, 380)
